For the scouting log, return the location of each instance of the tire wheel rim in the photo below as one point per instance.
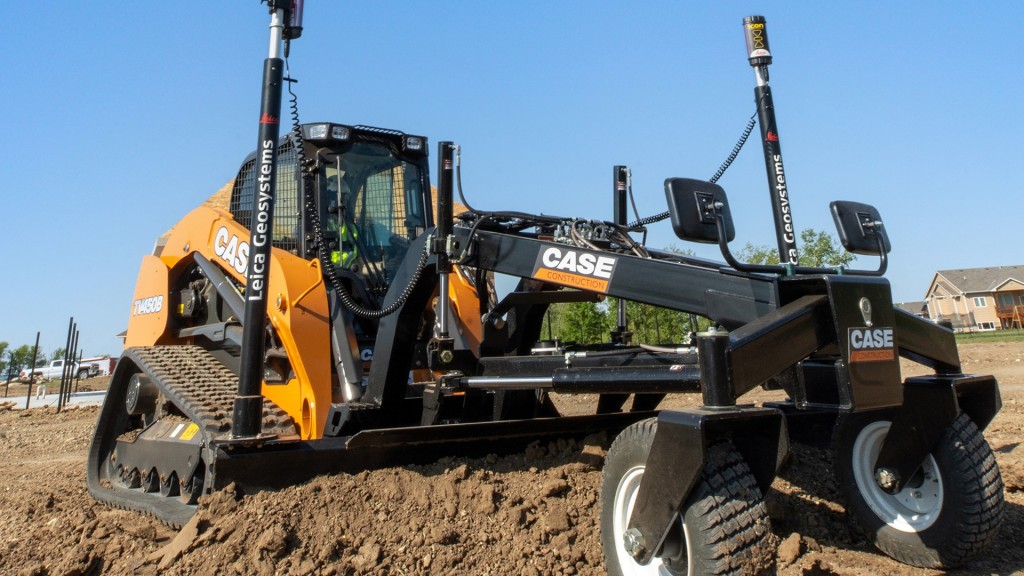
(917, 506)
(625, 499)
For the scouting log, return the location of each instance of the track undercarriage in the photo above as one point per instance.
(153, 447)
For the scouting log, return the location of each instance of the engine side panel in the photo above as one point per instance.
(150, 310)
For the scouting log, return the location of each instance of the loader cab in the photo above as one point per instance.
(372, 204)
(371, 188)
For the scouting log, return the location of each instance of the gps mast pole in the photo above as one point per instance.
(248, 409)
(760, 57)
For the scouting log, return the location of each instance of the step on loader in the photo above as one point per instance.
(327, 322)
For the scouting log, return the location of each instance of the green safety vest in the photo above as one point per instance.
(347, 255)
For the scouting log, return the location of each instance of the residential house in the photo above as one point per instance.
(978, 298)
(915, 308)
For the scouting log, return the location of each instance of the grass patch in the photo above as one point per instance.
(994, 336)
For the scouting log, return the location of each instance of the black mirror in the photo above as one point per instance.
(692, 205)
(860, 227)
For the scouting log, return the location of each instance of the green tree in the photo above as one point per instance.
(58, 354)
(21, 357)
(651, 324)
(552, 325)
(822, 249)
(584, 322)
(4, 360)
(818, 249)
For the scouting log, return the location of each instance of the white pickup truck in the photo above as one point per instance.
(56, 369)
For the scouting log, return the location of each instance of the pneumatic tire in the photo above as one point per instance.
(948, 512)
(723, 528)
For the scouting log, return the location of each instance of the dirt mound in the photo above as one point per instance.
(525, 514)
(530, 513)
(221, 199)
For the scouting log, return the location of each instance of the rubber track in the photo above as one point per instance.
(203, 388)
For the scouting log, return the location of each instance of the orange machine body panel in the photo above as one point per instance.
(297, 308)
(466, 304)
(151, 305)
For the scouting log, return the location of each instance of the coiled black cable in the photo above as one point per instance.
(649, 220)
(736, 149)
(305, 169)
(718, 174)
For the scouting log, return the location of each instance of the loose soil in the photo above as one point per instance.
(531, 513)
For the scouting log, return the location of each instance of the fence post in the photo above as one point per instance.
(10, 366)
(69, 354)
(31, 371)
(79, 369)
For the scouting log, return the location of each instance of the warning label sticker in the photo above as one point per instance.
(190, 431)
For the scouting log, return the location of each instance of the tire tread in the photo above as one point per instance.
(734, 534)
(728, 498)
(974, 499)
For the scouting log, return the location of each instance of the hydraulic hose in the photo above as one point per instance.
(330, 272)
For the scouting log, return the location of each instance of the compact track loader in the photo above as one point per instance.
(326, 322)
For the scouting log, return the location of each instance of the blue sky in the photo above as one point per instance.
(123, 116)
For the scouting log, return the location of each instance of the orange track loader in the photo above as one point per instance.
(325, 322)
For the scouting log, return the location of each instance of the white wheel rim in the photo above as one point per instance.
(625, 498)
(913, 509)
